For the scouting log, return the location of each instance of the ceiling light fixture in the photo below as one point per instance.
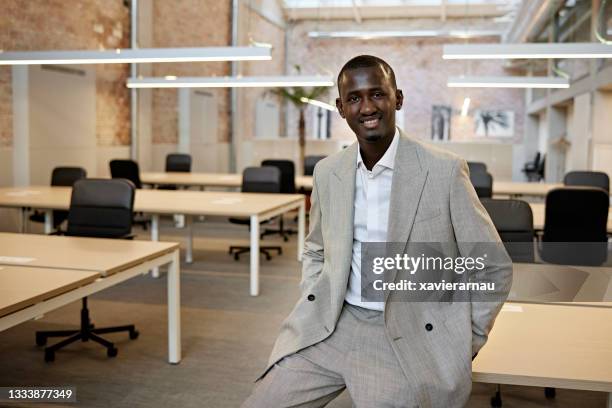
(140, 55)
(231, 82)
(319, 104)
(527, 51)
(507, 82)
(371, 35)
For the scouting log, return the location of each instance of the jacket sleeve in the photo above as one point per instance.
(472, 226)
(312, 259)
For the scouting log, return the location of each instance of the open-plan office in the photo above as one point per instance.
(187, 189)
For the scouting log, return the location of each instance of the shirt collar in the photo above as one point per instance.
(388, 159)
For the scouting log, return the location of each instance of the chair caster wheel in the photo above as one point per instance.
(41, 340)
(49, 356)
(286, 239)
(112, 352)
(550, 392)
(134, 334)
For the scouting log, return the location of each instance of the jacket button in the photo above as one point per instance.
(429, 327)
(311, 297)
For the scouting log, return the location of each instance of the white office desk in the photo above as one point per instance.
(108, 261)
(518, 188)
(549, 346)
(232, 180)
(256, 207)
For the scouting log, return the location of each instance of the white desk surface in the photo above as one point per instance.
(22, 286)
(185, 202)
(106, 256)
(208, 179)
(549, 346)
(517, 188)
(544, 283)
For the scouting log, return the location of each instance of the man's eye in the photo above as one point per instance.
(353, 98)
(378, 95)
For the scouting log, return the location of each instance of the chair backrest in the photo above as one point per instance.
(483, 183)
(310, 162)
(542, 167)
(261, 180)
(587, 179)
(513, 220)
(126, 169)
(101, 208)
(287, 169)
(576, 224)
(179, 162)
(477, 167)
(536, 160)
(66, 176)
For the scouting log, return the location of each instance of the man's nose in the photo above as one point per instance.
(367, 107)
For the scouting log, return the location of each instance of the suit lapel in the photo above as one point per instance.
(406, 187)
(342, 210)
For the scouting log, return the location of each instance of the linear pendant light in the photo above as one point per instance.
(372, 35)
(230, 82)
(527, 51)
(507, 82)
(139, 55)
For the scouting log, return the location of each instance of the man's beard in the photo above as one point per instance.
(373, 138)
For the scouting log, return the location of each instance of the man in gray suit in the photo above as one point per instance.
(386, 187)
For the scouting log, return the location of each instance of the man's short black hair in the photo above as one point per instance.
(367, 61)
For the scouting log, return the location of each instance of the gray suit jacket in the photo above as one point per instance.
(432, 200)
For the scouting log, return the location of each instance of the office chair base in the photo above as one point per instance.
(283, 233)
(280, 231)
(238, 250)
(87, 332)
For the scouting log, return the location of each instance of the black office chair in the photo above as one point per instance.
(287, 169)
(541, 171)
(575, 226)
(100, 208)
(257, 180)
(310, 162)
(587, 179)
(61, 176)
(483, 183)
(128, 169)
(531, 168)
(477, 167)
(176, 162)
(513, 220)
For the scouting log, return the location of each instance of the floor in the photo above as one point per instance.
(227, 336)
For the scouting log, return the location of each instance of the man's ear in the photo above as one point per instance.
(339, 107)
(399, 99)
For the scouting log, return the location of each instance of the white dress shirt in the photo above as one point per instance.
(372, 198)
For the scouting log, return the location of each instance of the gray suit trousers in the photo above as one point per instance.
(357, 356)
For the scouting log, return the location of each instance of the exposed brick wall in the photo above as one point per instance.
(60, 24)
(189, 23)
(420, 71)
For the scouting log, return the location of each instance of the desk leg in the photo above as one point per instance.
(155, 237)
(24, 220)
(174, 310)
(188, 220)
(301, 229)
(254, 277)
(48, 221)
